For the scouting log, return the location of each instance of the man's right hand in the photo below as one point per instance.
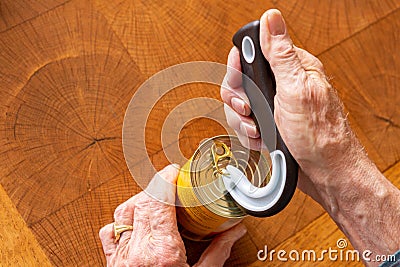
(334, 168)
(308, 113)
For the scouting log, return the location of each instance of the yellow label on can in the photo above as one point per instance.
(192, 214)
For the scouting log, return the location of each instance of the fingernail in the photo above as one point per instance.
(276, 24)
(250, 129)
(238, 105)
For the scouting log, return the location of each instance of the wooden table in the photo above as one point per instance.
(68, 70)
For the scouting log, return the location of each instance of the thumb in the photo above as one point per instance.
(161, 212)
(163, 185)
(278, 49)
(220, 248)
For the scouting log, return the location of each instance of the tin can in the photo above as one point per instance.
(204, 206)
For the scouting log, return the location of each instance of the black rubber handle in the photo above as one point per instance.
(261, 76)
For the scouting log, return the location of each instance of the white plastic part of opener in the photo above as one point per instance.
(252, 197)
(248, 49)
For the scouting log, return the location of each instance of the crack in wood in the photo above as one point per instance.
(98, 140)
(15, 122)
(387, 120)
(32, 18)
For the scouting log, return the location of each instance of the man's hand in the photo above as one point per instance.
(155, 240)
(308, 113)
(334, 168)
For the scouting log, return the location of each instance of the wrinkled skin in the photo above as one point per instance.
(308, 113)
(155, 240)
(334, 168)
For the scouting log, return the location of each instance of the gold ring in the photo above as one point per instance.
(119, 229)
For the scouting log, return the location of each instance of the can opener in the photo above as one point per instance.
(260, 87)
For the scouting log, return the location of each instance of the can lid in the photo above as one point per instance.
(205, 167)
(257, 200)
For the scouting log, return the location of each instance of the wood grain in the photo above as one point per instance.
(320, 25)
(148, 29)
(301, 211)
(13, 13)
(322, 234)
(18, 245)
(365, 71)
(62, 111)
(70, 237)
(271, 231)
(195, 99)
(77, 242)
(319, 235)
(68, 70)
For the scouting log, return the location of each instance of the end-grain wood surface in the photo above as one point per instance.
(68, 69)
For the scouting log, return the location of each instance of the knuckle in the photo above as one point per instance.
(278, 50)
(226, 95)
(144, 202)
(223, 92)
(319, 65)
(225, 248)
(284, 49)
(103, 232)
(232, 118)
(120, 211)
